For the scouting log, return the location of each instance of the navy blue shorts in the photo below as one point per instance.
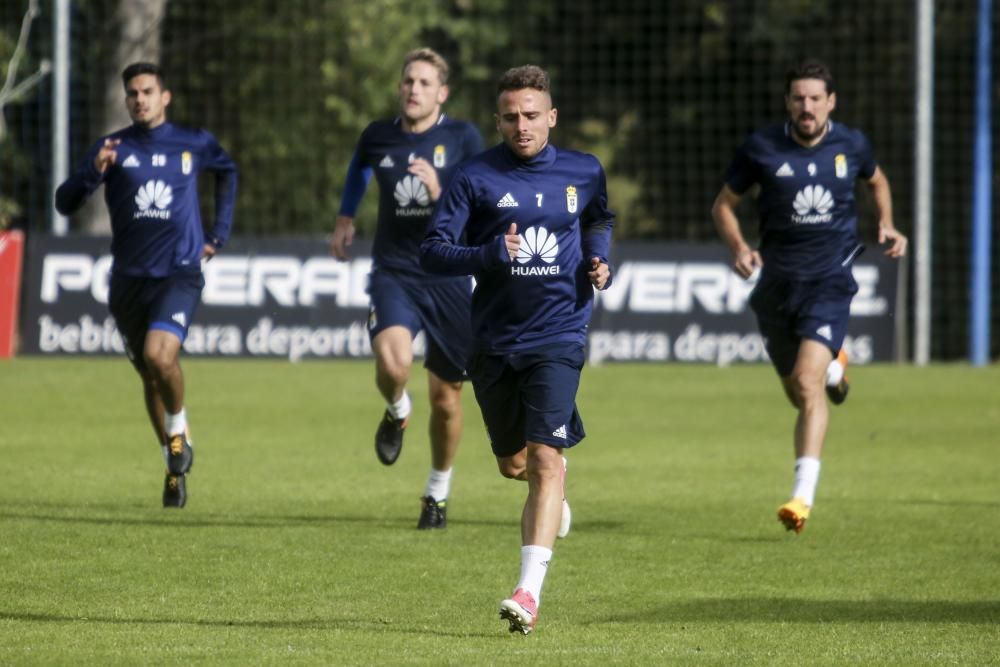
(529, 395)
(790, 310)
(143, 304)
(440, 308)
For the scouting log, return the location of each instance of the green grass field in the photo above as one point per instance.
(298, 547)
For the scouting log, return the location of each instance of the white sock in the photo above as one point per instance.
(401, 408)
(174, 424)
(534, 566)
(834, 373)
(806, 478)
(438, 484)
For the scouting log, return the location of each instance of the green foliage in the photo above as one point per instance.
(9, 211)
(607, 143)
(288, 88)
(15, 163)
(662, 91)
(9, 208)
(8, 40)
(297, 547)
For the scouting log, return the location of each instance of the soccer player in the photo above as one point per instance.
(537, 233)
(412, 158)
(150, 176)
(806, 168)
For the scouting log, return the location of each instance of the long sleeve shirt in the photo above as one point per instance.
(151, 192)
(558, 200)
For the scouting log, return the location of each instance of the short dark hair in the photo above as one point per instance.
(809, 68)
(135, 69)
(525, 76)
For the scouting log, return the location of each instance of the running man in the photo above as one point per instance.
(150, 175)
(806, 168)
(412, 158)
(530, 222)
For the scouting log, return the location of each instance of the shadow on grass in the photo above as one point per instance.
(946, 503)
(372, 625)
(797, 611)
(180, 520)
(174, 519)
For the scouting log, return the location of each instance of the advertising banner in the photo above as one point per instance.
(683, 302)
(287, 298)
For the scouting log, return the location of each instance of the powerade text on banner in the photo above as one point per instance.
(287, 298)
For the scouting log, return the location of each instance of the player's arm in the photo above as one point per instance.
(76, 189)
(440, 251)
(596, 248)
(217, 160)
(887, 232)
(745, 259)
(596, 225)
(355, 184)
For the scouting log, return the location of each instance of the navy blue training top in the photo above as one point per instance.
(808, 221)
(558, 199)
(404, 205)
(152, 195)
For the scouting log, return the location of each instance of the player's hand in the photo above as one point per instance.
(897, 242)
(342, 237)
(746, 262)
(107, 155)
(512, 240)
(428, 175)
(598, 273)
(208, 251)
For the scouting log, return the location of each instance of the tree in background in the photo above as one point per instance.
(131, 34)
(290, 86)
(12, 52)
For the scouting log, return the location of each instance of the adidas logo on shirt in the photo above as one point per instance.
(785, 170)
(825, 331)
(131, 162)
(387, 162)
(507, 201)
(560, 432)
(179, 318)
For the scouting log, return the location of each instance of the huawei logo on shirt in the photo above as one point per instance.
(812, 205)
(409, 191)
(536, 242)
(152, 199)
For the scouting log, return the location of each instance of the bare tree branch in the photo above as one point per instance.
(12, 91)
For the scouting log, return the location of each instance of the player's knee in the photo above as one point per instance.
(544, 462)
(159, 361)
(393, 350)
(446, 403)
(804, 387)
(510, 468)
(393, 369)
